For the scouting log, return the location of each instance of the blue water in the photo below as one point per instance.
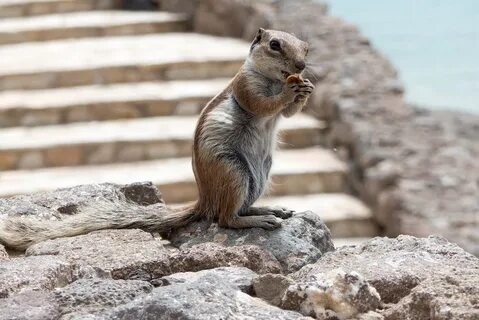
(433, 43)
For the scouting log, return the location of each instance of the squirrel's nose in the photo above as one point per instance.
(300, 65)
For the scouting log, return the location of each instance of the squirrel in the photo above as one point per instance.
(232, 155)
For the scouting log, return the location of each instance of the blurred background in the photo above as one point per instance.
(95, 91)
(433, 43)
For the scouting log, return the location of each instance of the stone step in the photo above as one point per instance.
(106, 102)
(22, 8)
(345, 215)
(88, 24)
(123, 141)
(166, 56)
(303, 171)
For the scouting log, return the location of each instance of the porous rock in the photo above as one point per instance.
(3, 253)
(33, 274)
(454, 295)
(271, 287)
(77, 300)
(135, 254)
(300, 240)
(211, 255)
(394, 265)
(208, 296)
(332, 295)
(119, 254)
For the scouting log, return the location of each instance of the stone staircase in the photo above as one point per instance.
(89, 94)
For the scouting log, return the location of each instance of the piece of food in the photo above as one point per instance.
(294, 78)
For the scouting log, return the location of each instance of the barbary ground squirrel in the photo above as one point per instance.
(232, 155)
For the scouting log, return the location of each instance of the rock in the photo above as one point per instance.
(51, 205)
(271, 287)
(119, 254)
(332, 295)
(208, 296)
(87, 296)
(30, 305)
(33, 274)
(240, 277)
(445, 297)
(211, 255)
(81, 298)
(3, 253)
(398, 268)
(135, 254)
(302, 239)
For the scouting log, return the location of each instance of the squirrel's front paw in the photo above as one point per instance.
(296, 92)
(303, 90)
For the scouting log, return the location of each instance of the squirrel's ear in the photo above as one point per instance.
(257, 37)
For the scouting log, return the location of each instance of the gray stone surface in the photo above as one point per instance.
(51, 205)
(120, 254)
(302, 239)
(80, 299)
(3, 253)
(449, 296)
(33, 274)
(209, 296)
(135, 254)
(271, 287)
(395, 266)
(211, 255)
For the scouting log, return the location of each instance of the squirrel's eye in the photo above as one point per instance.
(275, 45)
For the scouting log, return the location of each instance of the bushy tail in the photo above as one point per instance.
(21, 232)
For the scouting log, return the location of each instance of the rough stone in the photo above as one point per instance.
(449, 296)
(120, 254)
(302, 239)
(209, 296)
(395, 266)
(32, 305)
(3, 253)
(240, 277)
(33, 274)
(271, 287)
(332, 295)
(51, 205)
(135, 254)
(211, 255)
(79, 299)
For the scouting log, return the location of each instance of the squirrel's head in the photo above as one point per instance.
(277, 54)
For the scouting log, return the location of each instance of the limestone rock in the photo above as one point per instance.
(30, 305)
(302, 239)
(332, 295)
(50, 205)
(445, 297)
(208, 296)
(3, 253)
(394, 266)
(120, 254)
(33, 274)
(271, 287)
(211, 255)
(77, 300)
(240, 277)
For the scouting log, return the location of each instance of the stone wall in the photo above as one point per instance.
(415, 168)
